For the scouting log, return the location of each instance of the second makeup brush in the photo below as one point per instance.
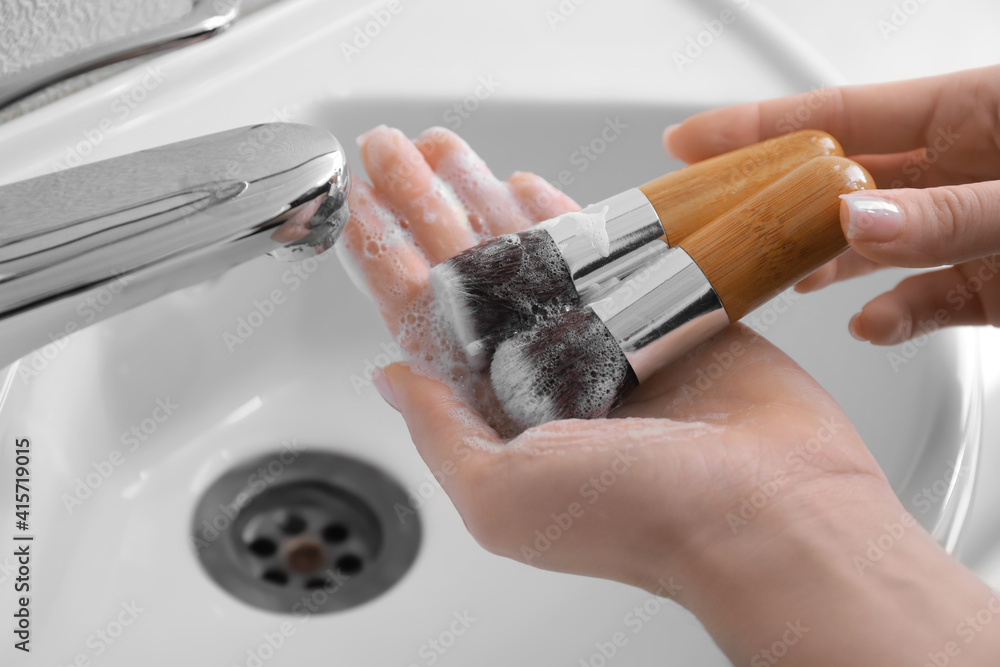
(582, 363)
(515, 280)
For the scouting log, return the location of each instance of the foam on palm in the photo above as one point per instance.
(419, 321)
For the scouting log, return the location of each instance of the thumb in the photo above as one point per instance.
(926, 227)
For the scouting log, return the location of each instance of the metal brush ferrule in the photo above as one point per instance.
(662, 310)
(630, 223)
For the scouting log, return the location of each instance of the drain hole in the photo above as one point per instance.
(327, 519)
(335, 533)
(306, 557)
(293, 525)
(275, 577)
(349, 565)
(263, 547)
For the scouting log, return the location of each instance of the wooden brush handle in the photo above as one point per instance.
(777, 237)
(689, 198)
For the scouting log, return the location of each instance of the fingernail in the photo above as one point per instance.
(872, 218)
(854, 326)
(666, 138)
(381, 383)
(363, 138)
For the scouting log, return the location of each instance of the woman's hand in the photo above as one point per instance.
(729, 480)
(933, 145)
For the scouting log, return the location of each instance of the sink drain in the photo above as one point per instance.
(321, 535)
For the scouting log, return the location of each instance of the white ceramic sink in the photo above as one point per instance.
(299, 379)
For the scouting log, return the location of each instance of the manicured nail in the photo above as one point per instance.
(854, 326)
(666, 137)
(381, 383)
(872, 219)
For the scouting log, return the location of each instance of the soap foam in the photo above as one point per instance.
(590, 223)
(569, 367)
(352, 269)
(422, 326)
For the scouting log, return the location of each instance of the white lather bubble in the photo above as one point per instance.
(352, 270)
(590, 223)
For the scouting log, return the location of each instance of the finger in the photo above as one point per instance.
(849, 265)
(927, 227)
(396, 272)
(919, 304)
(492, 209)
(539, 199)
(403, 180)
(911, 169)
(451, 438)
(877, 118)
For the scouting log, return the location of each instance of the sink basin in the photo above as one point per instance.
(133, 419)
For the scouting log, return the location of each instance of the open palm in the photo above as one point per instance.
(698, 451)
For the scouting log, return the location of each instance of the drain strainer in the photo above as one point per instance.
(314, 535)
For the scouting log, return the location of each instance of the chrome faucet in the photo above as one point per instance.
(206, 18)
(155, 221)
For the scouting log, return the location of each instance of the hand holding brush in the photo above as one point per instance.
(646, 498)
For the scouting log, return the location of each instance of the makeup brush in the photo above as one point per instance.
(515, 280)
(582, 363)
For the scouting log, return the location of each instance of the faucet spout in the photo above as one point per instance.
(152, 222)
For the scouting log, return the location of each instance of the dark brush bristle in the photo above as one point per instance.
(569, 367)
(502, 285)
